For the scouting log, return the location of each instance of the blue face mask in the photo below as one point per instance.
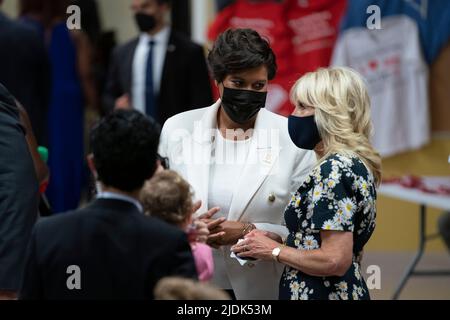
(304, 132)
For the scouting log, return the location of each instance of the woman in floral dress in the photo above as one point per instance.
(332, 215)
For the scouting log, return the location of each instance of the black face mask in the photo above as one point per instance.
(145, 22)
(242, 105)
(303, 132)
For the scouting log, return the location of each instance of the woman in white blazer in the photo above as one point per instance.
(239, 158)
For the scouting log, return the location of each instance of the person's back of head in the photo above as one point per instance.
(176, 288)
(124, 149)
(168, 196)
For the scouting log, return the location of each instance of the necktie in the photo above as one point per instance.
(150, 100)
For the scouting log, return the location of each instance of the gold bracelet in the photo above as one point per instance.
(248, 227)
(244, 229)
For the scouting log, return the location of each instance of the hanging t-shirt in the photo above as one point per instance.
(301, 33)
(315, 27)
(265, 17)
(268, 18)
(391, 61)
(431, 16)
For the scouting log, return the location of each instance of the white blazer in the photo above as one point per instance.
(275, 168)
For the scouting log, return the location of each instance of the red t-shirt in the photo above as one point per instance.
(302, 34)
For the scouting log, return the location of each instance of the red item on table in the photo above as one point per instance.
(433, 185)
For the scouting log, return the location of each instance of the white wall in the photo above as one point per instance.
(116, 15)
(10, 7)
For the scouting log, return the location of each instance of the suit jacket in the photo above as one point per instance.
(185, 82)
(120, 253)
(18, 193)
(25, 71)
(274, 169)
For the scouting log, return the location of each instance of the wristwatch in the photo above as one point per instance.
(276, 253)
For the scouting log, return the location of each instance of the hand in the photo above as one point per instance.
(123, 103)
(226, 233)
(255, 246)
(210, 223)
(201, 231)
(205, 216)
(271, 235)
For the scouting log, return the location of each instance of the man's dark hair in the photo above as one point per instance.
(236, 50)
(124, 145)
(168, 2)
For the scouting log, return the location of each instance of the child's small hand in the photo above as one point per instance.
(202, 231)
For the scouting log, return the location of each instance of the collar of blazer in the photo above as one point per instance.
(263, 154)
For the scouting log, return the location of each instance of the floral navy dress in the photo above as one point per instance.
(338, 195)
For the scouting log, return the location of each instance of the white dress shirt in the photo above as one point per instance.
(225, 171)
(161, 40)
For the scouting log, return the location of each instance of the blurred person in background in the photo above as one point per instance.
(331, 217)
(161, 73)
(25, 71)
(40, 167)
(19, 169)
(72, 89)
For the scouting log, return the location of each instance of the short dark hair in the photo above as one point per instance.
(161, 2)
(124, 145)
(236, 50)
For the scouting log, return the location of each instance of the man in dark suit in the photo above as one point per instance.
(161, 73)
(110, 249)
(18, 195)
(25, 71)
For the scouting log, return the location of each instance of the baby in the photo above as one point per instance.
(168, 196)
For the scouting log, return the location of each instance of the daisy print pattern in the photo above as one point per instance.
(338, 195)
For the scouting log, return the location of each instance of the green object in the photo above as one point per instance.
(43, 152)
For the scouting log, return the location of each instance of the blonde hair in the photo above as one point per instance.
(167, 196)
(176, 288)
(342, 113)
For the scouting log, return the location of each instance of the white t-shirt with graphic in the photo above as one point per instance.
(392, 63)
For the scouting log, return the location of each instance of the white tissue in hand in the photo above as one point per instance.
(233, 255)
